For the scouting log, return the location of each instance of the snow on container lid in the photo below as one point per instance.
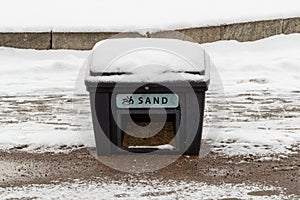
(147, 60)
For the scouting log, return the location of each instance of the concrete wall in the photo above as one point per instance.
(82, 41)
(241, 31)
(26, 40)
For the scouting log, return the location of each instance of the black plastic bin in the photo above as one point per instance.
(115, 103)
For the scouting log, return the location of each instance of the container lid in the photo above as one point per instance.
(147, 60)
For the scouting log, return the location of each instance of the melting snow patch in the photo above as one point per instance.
(164, 146)
(37, 137)
(141, 190)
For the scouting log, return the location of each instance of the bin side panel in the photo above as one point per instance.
(100, 113)
(194, 119)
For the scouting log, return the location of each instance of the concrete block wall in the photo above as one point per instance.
(249, 31)
(26, 40)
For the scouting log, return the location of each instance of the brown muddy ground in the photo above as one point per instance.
(20, 168)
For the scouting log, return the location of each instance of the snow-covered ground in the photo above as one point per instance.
(136, 15)
(143, 189)
(36, 90)
(261, 83)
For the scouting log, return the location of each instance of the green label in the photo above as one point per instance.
(147, 100)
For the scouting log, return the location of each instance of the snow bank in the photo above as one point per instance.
(268, 64)
(133, 15)
(36, 72)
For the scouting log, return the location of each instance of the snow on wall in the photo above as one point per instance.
(136, 15)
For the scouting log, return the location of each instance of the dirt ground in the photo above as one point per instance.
(19, 168)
